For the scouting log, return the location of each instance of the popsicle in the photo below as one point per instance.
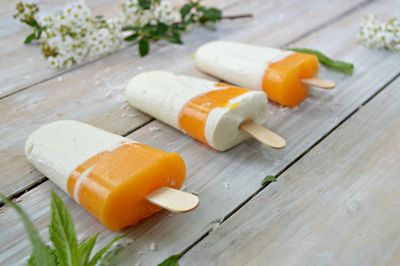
(216, 114)
(284, 75)
(118, 180)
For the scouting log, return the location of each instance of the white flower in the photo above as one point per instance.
(64, 39)
(73, 34)
(26, 11)
(134, 14)
(164, 12)
(376, 34)
(105, 38)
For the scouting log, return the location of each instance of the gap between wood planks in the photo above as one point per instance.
(221, 221)
(89, 61)
(322, 25)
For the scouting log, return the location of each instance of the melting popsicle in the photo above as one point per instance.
(284, 75)
(118, 180)
(216, 114)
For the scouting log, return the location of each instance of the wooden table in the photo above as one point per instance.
(337, 198)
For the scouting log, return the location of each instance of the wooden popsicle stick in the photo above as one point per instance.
(319, 83)
(173, 200)
(263, 135)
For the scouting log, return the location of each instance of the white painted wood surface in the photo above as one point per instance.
(94, 93)
(223, 180)
(22, 65)
(18, 60)
(338, 205)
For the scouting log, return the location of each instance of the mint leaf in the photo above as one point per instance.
(108, 259)
(96, 258)
(268, 179)
(171, 261)
(40, 254)
(85, 249)
(62, 232)
(143, 47)
(337, 65)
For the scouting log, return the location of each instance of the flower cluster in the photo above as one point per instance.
(63, 40)
(376, 34)
(26, 12)
(139, 13)
(106, 36)
(164, 12)
(74, 34)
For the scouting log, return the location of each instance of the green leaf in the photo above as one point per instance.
(132, 37)
(30, 38)
(175, 38)
(108, 259)
(212, 14)
(62, 232)
(171, 261)
(145, 4)
(33, 23)
(337, 65)
(162, 28)
(132, 28)
(149, 29)
(96, 258)
(268, 179)
(143, 47)
(185, 9)
(40, 254)
(85, 249)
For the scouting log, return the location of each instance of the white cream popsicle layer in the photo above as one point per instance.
(107, 174)
(58, 148)
(238, 63)
(206, 110)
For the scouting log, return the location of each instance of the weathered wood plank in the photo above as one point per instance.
(23, 65)
(339, 205)
(225, 180)
(9, 26)
(19, 60)
(93, 93)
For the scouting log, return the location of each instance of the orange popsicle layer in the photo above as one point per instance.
(282, 80)
(114, 190)
(193, 116)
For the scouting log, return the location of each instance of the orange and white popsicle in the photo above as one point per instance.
(284, 75)
(109, 175)
(208, 111)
